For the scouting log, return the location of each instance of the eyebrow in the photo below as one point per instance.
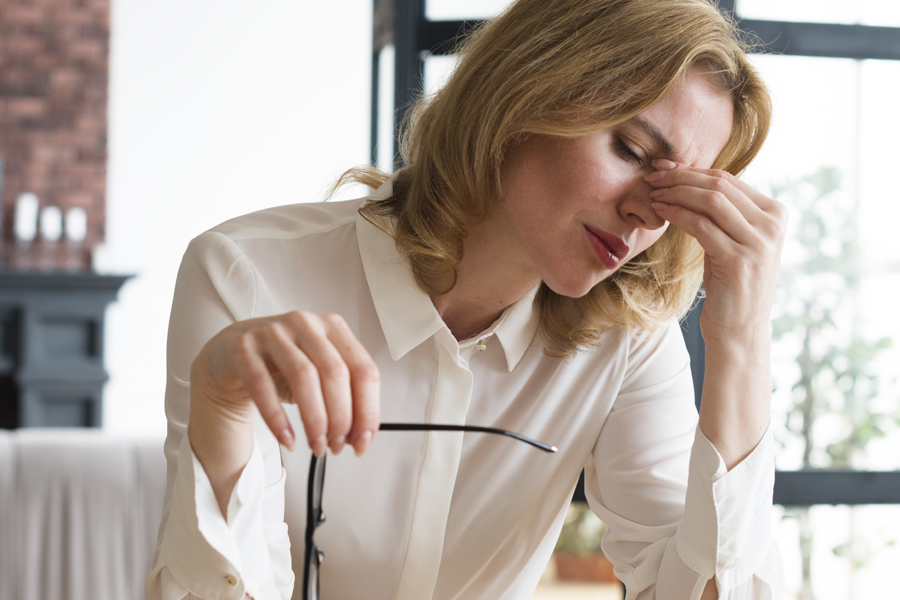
(664, 145)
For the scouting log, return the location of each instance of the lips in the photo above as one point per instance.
(609, 248)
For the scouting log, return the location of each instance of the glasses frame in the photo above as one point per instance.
(313, 555)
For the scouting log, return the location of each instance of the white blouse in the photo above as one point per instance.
(449, 515)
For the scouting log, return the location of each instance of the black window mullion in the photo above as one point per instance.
(821, 486)
(828, 40)
(410, 21)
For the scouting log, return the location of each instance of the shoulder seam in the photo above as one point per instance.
(339, 223)
(226, 240)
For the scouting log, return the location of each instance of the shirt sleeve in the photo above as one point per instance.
(676, 516)
(200, 553)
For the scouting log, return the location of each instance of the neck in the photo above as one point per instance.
(489, 279)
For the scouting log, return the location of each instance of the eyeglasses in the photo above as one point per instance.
(315, 517)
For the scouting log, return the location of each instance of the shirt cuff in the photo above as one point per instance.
(203, 551)
(727, 520)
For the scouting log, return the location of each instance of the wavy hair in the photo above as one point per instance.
(563, 68)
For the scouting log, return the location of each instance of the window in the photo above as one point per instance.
(834, 72)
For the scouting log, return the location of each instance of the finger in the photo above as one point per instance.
(310, 335)
(712, 239)
(714, 205)
(254, 374)
(365, 383)
(669, 171)
(300, 375)
(723, 185)
(765, 203)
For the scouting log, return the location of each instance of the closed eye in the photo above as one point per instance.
(627, 153)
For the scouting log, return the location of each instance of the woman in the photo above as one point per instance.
(564, 195)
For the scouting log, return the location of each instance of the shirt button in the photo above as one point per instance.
(730, 565)
(231, 579)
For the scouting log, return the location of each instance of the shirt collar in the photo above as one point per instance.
(407, 314)
(518, 325)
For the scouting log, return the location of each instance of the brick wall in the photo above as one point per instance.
(54, 59)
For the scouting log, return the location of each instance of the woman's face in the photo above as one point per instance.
(577, 208)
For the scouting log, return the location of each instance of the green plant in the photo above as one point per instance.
(581, 532)
(816, 313)
(816, 323)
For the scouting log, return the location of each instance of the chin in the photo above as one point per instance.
(573, 289)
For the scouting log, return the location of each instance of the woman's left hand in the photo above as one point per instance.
(742, 233)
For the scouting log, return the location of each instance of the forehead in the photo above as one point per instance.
(694, 121)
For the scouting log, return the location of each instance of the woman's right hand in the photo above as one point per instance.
(311, 360)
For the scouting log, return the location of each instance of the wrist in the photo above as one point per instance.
(219, 432)
(737, 388)
(749, 344)
(742, 331)
(221, 438)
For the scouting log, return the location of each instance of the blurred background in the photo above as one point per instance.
(127, 128)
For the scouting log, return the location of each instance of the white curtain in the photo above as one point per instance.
(80, 512)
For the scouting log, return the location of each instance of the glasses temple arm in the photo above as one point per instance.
(471, 428)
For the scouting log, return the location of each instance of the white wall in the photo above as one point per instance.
(217, 108)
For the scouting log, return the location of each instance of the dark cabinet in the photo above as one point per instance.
(51, 352)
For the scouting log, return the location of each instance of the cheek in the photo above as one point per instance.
(649, 237)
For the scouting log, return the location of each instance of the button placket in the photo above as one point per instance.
(450, 404)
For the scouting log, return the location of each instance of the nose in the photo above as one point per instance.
(635, 207)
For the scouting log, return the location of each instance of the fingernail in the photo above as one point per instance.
(319, 446)
(337, 444)
(659, 205)
(655, 176)
(287, 438)
(363, 443)
(662, 163)
(658, 193)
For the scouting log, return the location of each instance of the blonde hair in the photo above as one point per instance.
(563, 68)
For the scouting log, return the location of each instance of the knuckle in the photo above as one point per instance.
(244, 345)
(304, 370)
(294, 372)
(366, 372)
(717, 199)
(315, 424)
(722, 175)
(256, 381)
(780, 212)
(334, 369)
(368, 413)
(704, 224)
(721, 185)
(340, 418)
(299, 319)
(775, 226)
(339, 423)
(772, 229)
(335, 320)
(272, 329)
